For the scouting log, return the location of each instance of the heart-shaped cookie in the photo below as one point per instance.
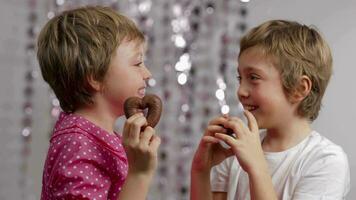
(152, 102)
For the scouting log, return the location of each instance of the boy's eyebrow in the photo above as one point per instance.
(251, 68)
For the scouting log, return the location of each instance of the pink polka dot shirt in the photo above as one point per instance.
(83, 162)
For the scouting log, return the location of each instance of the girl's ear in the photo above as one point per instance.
(94, 84)
(301, 90)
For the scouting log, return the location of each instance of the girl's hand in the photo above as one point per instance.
(141, 146)
(247, 145)
(210, 152)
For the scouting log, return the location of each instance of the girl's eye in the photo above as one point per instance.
(139, 64)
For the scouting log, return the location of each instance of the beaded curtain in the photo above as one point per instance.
(192, 54)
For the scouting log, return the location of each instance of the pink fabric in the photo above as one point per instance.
(83, 162)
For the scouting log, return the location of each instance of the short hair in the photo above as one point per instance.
(295, 50)
(77, 45)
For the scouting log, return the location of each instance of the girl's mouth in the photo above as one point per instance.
(142, 92)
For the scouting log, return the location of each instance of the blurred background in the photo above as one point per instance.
(192, 52)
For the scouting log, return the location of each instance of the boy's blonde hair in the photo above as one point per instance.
(295, 50)
(77, 46)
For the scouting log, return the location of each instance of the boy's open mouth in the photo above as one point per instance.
(250, 107)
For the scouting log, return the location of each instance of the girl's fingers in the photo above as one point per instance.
(135, 128)
(146, 136)
(128, 122)
(155, 142)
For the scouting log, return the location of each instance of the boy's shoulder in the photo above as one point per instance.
(321, 145)
(320, 152)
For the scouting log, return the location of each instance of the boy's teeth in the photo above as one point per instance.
(249, 108)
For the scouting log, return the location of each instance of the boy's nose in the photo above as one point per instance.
(242, 92)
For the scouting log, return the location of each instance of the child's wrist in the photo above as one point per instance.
(200, 175)
(196, 169)
(258, 171)
(140, 176)
(200, 172)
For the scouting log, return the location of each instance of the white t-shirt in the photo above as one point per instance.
(314, 169)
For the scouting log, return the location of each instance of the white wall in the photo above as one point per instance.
(12, 38)
(336, 21)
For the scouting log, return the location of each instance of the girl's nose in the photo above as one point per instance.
(146, 73)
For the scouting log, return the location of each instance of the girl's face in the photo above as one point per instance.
(261, 91)
(126, 76)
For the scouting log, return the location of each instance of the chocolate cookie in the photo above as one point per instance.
(152, 102)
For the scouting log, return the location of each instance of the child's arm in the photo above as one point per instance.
(200, 188)
(141, 149)
(247, 148)
(261, 187)
(208, 154)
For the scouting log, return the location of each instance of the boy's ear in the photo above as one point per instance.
(302, 89)
(94, 84)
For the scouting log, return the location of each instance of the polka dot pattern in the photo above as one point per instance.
(83, 162)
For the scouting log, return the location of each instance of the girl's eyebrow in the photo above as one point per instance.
(137, 55)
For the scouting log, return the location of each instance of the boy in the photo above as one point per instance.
(92, 57)
(284, 68)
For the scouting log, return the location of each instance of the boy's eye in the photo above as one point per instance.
(254, 77)
(238, 78)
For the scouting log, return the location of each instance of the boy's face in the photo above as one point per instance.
(127, 75)
(260, 90)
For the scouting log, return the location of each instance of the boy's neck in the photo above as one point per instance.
(100, 116)
(287, 135)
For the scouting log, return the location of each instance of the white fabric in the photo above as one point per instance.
(315, 169)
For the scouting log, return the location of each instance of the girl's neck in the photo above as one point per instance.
(100, 116)
(286, 135)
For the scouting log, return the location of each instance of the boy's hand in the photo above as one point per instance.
(210, 152)
(141, 147)
(247, 145)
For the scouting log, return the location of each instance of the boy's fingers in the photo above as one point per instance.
(252, 122)
(227, 139)
(242, 128)
(236, 125)
(211, 129)
(228, 152)
(218, 120)
(210, 139)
